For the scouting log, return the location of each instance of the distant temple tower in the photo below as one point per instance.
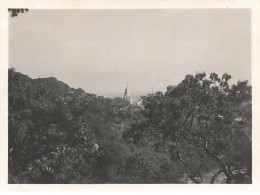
(127, 96)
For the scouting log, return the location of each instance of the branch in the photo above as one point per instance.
(215, 175)
(229, 168)
(214, 156)
(218, 159)
(228, 174)
(187, 168)
(188, 115)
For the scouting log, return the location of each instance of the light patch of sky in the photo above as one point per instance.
(101, 50)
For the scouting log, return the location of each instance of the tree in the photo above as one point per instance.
(50, 139)
(205, 118)
(59, 134)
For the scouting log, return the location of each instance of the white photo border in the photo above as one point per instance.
(253, 5)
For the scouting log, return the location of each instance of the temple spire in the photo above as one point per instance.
(127, 96)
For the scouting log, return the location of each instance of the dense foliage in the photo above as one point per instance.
(198, 131)
(14, 12)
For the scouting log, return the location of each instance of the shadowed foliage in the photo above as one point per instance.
(198, 131)
(14, 12)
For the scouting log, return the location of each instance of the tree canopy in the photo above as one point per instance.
(197, 131)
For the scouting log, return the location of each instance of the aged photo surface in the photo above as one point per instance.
(129, 96)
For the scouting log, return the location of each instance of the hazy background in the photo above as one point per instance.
(100, 50)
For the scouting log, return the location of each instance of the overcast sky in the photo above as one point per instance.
(100, 50)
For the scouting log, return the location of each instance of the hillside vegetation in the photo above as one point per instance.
(198, 131)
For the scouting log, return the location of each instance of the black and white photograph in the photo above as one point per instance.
(129, 96)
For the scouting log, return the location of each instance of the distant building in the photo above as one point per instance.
(140, 103)
(127, 95)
